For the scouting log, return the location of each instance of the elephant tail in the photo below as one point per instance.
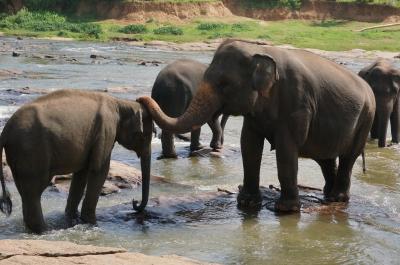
(5, 200)
(363, 161)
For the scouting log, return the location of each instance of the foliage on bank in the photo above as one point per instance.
(325, 35)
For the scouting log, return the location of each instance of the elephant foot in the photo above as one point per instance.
(166, 156)
(88, 219)
(287, 206)
(72, 218)
(327, 190)
(338, 197)
(247, 200)
(197, 147)
(216, 147)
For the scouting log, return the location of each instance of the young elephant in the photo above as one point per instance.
(385, 82)
(71, 131)
(303, 104)
(173, 90)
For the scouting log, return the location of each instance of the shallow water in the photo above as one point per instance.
(191, 222)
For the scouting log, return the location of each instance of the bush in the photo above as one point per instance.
(47, 21)
(240, 27)
(134, 29)
(168, 30)
(211, 26)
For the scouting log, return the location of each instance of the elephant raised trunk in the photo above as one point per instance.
(204, 105)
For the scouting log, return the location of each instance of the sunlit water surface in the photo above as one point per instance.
(367, 232)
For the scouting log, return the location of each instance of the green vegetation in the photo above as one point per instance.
(326, 35)
(133, 29)
(48, 22)
(168, 30)
(292, 4)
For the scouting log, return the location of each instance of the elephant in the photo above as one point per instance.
(173, 90)
(303, 104)
(384, 80)
(71, 131)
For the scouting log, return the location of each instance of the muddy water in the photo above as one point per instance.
(186, 217)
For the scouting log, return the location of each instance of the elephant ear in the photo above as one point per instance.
(265, 73)
(137, 121)
(396, 80)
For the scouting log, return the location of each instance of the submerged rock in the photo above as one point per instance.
(120, 176)
(61, 252)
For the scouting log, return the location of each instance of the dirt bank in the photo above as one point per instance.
(144, 11)
(59, 252)
(319, 10)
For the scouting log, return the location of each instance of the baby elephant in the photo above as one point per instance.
(173, 90)
(384, 80)
(71, 131)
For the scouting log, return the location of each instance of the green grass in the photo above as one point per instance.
(325, 35)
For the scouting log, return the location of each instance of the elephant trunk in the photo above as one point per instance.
(145, 166)
(383, 119)
(205, 103)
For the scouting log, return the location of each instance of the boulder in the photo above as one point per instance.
(63, 253)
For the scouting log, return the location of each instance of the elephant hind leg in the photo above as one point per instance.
(341, 185)
(329, 170)
(76, 190)
(168, 147)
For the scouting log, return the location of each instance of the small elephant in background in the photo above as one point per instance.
(384, 80)
(173, 90)
(71, 131)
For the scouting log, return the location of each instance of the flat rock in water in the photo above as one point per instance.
(64, 253)
(206, 152)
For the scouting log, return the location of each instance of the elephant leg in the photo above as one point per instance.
(168, 147)
(374, 128)
(329, 170)
(252, 145)
(341, 186)
(195, 140)
(76, 190)
(395, 123)
(32, 212)
(215, 126)
(95, 181)
(287, 162)
(31, 181)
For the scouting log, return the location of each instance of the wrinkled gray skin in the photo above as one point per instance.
(384, 80)
(303, 104)
(173, 90)
(71, 131)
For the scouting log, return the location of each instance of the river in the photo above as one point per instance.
(367, 231)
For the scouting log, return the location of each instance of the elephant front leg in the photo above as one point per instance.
(95, 182)
(252, 145)
(287, 162)
(215, 126)
(75, 194)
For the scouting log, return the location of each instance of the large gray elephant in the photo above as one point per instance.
(303, 104)
(71, 131)
(173, 90)
(384, 80)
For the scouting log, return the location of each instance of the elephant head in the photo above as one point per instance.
(236, 78)
(384, 80)
(134, 133)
